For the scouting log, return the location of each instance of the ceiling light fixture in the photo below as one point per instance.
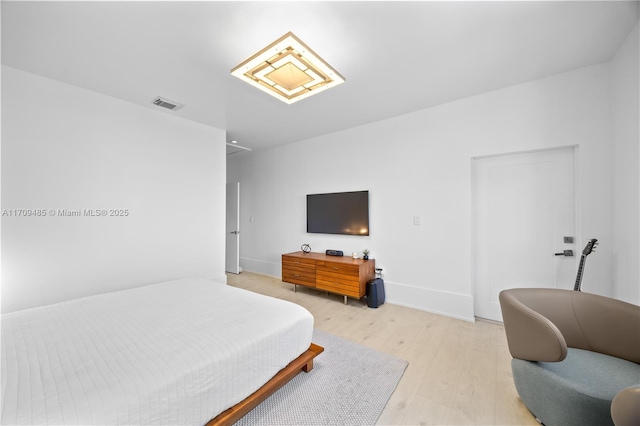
(289, 70)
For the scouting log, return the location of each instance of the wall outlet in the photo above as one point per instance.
(416, 220)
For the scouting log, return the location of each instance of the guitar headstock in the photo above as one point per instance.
(591, 246)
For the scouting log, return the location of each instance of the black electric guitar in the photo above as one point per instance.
(591, 246)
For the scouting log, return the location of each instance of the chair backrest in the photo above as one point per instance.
(541, 323)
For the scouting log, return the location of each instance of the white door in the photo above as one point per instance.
(524, 207)
(232, 252)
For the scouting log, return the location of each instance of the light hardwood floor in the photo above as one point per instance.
(459, 372)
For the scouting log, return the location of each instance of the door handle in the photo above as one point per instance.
(567, 253)
(234, 232)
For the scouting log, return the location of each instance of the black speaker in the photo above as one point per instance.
(334, 253)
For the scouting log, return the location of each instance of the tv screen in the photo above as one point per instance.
(338, 213)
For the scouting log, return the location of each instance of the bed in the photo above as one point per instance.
(186, 352)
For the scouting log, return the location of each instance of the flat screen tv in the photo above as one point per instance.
(344, 213)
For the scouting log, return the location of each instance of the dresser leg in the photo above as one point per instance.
(295, 288)
(345, 300)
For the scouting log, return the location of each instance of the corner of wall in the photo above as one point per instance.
(625, 135)
(222, 279)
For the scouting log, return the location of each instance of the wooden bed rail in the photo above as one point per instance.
(303, 363)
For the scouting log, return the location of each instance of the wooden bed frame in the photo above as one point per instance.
(303, 363)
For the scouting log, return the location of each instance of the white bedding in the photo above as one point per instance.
(175, 353)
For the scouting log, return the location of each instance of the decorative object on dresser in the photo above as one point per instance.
(340, 275)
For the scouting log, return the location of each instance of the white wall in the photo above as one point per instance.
(64, 147)
(626, 171)
(419, 164)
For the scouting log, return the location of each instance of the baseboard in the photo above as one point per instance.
(439, 302)
(261, 267)
(454, 305)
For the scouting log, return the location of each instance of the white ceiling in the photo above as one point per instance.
(397, 57)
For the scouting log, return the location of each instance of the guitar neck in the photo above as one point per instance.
(576, 287)
(591, 246)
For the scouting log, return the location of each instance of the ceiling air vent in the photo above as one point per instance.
(167, 103)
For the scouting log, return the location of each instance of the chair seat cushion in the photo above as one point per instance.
(578, 390)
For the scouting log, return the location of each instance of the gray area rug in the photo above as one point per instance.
(350, 384)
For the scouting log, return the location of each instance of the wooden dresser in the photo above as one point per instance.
(335, 274)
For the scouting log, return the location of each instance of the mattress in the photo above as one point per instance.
(175, 353)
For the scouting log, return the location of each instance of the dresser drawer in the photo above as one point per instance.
(333, 276)
(297, 275)
(334, 286)
(297, 270)
(308, 270)
(298, 279)
(338, 269)
(294, 260)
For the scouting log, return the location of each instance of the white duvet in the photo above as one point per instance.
(176, 353)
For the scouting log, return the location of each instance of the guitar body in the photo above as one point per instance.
(587, 250)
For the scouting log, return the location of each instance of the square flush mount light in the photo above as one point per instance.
(288, 69)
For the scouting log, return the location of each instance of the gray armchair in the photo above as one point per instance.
(576, 356)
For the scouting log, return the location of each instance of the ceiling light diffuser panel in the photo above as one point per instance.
(289, 70)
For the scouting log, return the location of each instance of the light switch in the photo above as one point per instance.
(416, 220)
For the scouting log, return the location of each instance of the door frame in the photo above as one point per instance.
(237, 268)
(578, 239)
